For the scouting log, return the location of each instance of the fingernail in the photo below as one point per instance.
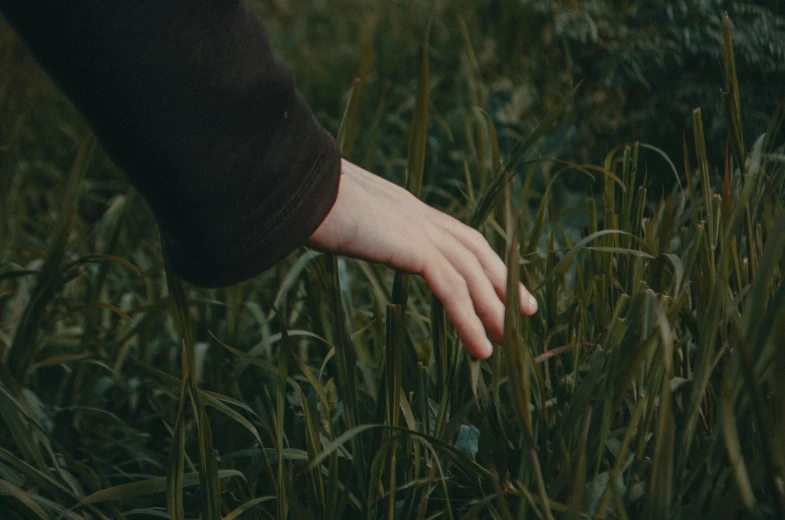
(488, 347)
(532, 303)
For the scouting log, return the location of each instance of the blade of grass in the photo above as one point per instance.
(175, 480)
(661, 483)
(393, 369)
(147, 487)
(415, 164)
(345, 364)
(488, 199)
(731, 95)
(733, 446)
(208, 468)
(246, 507)
(51, 276)
(564, 263)
(280, 410)
(579, 480)
(24, 498)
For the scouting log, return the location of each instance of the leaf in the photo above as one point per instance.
(564, 263)
(415, 165)
(247, 506)
(280, 409)
(291, 277)
(147, 487)
(52, 275)
(468, 441)
(107, 306)
(661, 483)
(24, 498)
(459, 458)
(488, 200)
(208, 469)
(733, 446)
(175, 479)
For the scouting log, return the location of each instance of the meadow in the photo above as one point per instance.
(650, 384)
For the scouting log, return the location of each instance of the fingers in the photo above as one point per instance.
(487, 304)
(493, 266)
(453, 291)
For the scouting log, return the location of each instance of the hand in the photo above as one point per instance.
(378, 221)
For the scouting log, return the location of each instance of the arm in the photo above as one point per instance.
(188, 99)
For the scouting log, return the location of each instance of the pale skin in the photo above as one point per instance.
(378, 221)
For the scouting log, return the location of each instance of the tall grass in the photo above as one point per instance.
(649, 384)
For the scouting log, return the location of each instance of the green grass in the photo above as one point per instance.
(651, 383)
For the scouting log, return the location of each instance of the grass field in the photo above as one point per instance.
(651, 383)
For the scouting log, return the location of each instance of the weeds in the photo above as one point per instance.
(649, 384)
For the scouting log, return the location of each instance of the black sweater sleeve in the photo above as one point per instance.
(188, 99)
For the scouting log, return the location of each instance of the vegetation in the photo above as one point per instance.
(649, 385)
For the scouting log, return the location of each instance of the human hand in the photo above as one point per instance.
(376, 220)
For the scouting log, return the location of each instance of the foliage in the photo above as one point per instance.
(646, 65)
(650, 384)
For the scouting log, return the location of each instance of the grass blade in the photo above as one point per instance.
(415, 164)
(488, 200)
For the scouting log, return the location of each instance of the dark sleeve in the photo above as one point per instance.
(188, 99)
